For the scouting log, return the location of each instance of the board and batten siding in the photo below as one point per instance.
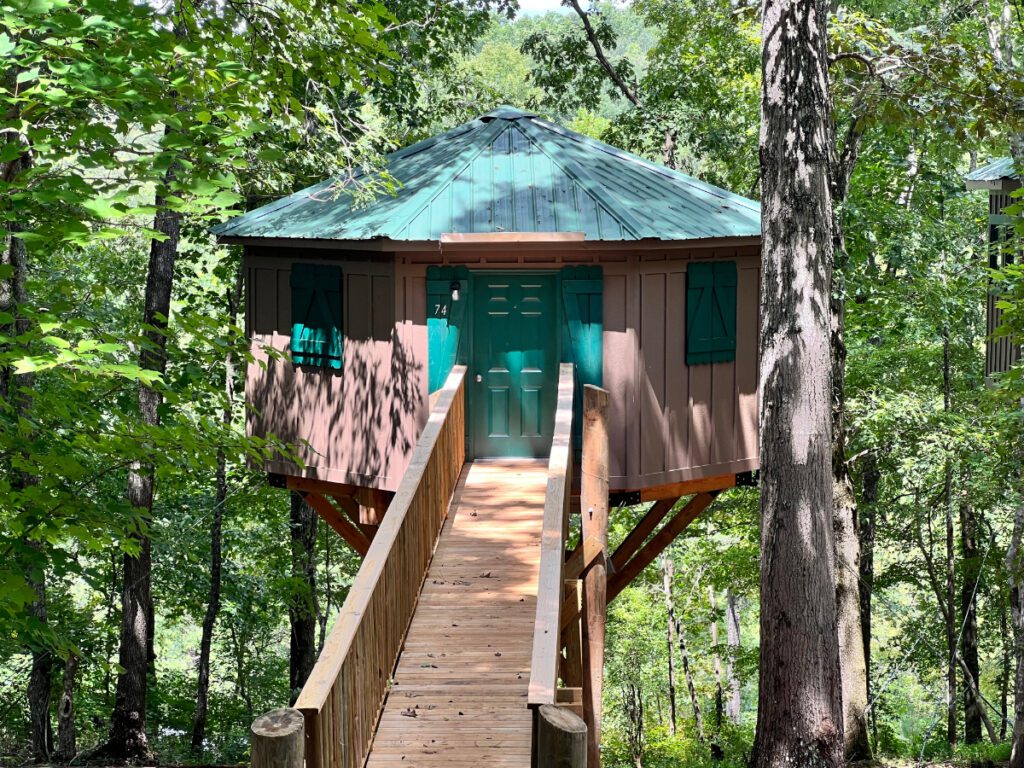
(668, 422)
(357, 425)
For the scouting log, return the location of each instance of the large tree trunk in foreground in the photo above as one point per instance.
(128, 739)
(1015, 573)
(302, 610)
(220, 499)
(800, 715)
(39, 682)
(969, 529)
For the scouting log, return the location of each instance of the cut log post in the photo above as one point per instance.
(278, 739)
(594, 509)
(561, 738)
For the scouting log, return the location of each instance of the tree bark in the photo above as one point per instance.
(1015, 573)
(16, 391)
(734, 707)
(234, 297)
(302, 609)
(969, 529)
(869, 496)
(66, 741)
(670, 614)
(852, 653)
(694, 703)
(40, 681)
(127, 740)
(633, 706)
(950, 561)
(716, 657)
(800, 712)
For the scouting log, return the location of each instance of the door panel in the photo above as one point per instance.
(515, 354)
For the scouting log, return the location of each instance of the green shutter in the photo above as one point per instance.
(582, 333)
(445, 321)
(317, 334)
(710, 312)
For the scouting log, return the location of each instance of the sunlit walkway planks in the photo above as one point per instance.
(459, 692)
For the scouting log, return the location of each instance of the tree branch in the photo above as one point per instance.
(621, 84)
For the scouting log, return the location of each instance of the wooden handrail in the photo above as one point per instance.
(343, 697)
(547, 643)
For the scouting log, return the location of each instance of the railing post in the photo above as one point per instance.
(278, 739)
(560, 738)
(594, 509)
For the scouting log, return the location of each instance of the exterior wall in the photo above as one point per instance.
(1001, 353)
(357, 425)
(668, 422)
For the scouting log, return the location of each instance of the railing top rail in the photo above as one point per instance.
(318, 687)
(546, 635)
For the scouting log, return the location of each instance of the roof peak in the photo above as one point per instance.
(505, 112)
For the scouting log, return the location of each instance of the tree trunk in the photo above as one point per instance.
(16, 391)
(633, 706)
(950, 562)
(800, 711)
(694, 703)
(716, 658)
(66, 742)
(1006, 659)
(302, 609)
(40, 681)
(869, 497)
(734, 707)
(670, 614)
(969, 590)
(216, 526)
(1015, 574)
(127, 740)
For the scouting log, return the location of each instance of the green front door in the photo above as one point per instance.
(514, 370)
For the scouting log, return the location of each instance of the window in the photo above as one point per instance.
(317, 334)
(710, 312)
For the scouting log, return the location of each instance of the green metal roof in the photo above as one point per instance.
(996, 169)
(510, 171)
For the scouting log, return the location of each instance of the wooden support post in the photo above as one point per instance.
(341, 524)
(355, 514)
(560, 738)
(572, 640)
(631, 569)
(594, 510)
(278, 739)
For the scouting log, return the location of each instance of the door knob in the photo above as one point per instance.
(479, 378)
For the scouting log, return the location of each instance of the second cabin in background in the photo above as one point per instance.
(512, 245)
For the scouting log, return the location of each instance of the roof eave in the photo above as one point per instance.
(528, 239)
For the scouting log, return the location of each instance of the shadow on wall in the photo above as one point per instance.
(357, 425)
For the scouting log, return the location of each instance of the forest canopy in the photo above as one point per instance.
(129, 493)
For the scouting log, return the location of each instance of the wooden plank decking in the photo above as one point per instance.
(459, 692)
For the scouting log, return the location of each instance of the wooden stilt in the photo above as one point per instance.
(572, 664)
(594, 510)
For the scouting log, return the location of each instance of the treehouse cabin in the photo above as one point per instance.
(529, 305)
(1000, 180)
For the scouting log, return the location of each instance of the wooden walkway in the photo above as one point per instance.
(459, 692)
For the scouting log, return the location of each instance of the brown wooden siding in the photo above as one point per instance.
(357, 425)
(668, 422)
